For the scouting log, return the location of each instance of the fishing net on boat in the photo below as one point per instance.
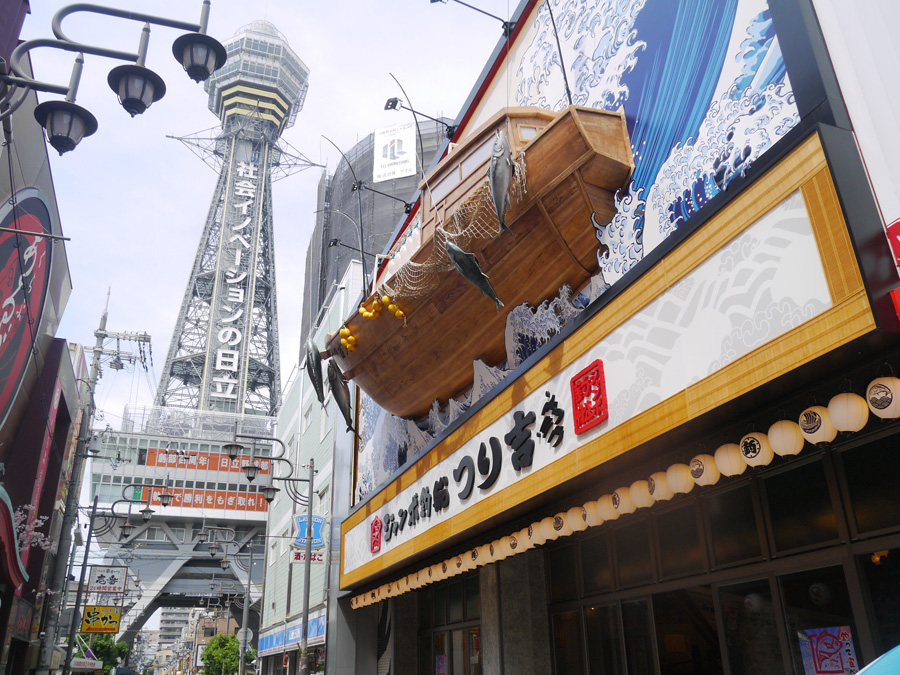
(472, 226)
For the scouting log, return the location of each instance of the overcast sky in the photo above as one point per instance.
(134, 202)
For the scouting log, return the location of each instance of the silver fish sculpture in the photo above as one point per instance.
(467, 265)
(314, 369)
(500, 175)
(341, 393)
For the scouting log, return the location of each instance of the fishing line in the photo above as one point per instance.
(562, 65)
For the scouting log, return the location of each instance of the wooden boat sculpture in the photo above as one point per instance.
(574, 161)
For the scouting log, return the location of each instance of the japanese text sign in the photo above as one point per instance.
(100, 619)
(107, 579)
(828, 651)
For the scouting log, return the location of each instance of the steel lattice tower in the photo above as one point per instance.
(224, 351)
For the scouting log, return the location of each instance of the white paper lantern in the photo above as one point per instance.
(576, 518)
(622, 501)
(525, 543)
(535, 535)
(679, 479)
(815, 424)
(561, 525)
(594, 518)
(497, 551)
(658, 485)
(729, 460)
(756, 449)
(469, 560)
(640, 494)
(550, 533)
(514, 543)
(607, 508)
(786, 438)
(484, 555)
(704, 470)
(848, 412)
(883, 397)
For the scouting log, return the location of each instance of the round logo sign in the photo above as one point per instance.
(750, 447)
(697, 468)
(880, 396)
(810, 421)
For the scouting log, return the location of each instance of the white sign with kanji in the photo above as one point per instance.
(105, 579)
(300, 556)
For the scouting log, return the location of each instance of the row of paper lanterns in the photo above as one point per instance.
(819, 425)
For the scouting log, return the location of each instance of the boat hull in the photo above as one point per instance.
(575, 164)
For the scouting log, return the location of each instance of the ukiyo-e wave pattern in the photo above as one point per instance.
(704, 89)
(705, 93)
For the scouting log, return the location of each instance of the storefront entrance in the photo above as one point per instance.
(795, 569)
(450, 632)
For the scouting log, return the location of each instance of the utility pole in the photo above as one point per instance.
(304, 639)
(245, 619)
(56, 600)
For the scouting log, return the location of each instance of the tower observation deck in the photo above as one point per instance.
(224, 350)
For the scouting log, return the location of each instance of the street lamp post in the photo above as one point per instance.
(356, 186)
(73, 629)
(136, 86)
(304, 656)
(307, 567)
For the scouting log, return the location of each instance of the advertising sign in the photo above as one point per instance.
(100, 619)
(395, 152)
(300, 556)
(105, 579)
(828, 651)
(318, 539)
(24, 280)
(81, 665)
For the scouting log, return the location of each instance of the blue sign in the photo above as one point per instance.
(318, 539)
(292, 635)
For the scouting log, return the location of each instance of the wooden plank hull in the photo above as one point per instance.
(575, 161)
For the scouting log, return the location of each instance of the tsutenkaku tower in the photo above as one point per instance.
(224, 351)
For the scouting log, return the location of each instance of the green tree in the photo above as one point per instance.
(224, 649)
(106, 649)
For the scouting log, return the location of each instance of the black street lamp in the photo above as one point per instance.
(136, 85)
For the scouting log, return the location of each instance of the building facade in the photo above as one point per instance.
(338, 208)
(316, 432)
(39, 396)
(684, 466)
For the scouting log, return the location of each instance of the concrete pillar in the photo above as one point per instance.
(406, 633)
(491, 638)
(525, 629)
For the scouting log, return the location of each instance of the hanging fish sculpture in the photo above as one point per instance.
(467, 265)
(314, 369)
(341, 393)
(500, 175)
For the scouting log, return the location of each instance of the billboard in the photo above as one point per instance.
(101, 619)
(107, 579)
(395, 152)
(24, 279)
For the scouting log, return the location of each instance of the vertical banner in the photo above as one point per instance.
(395, 152)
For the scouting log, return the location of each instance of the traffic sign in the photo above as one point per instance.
(245, 634)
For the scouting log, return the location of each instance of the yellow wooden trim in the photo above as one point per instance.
(850, 317)
(256, 92)
(274, 107)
